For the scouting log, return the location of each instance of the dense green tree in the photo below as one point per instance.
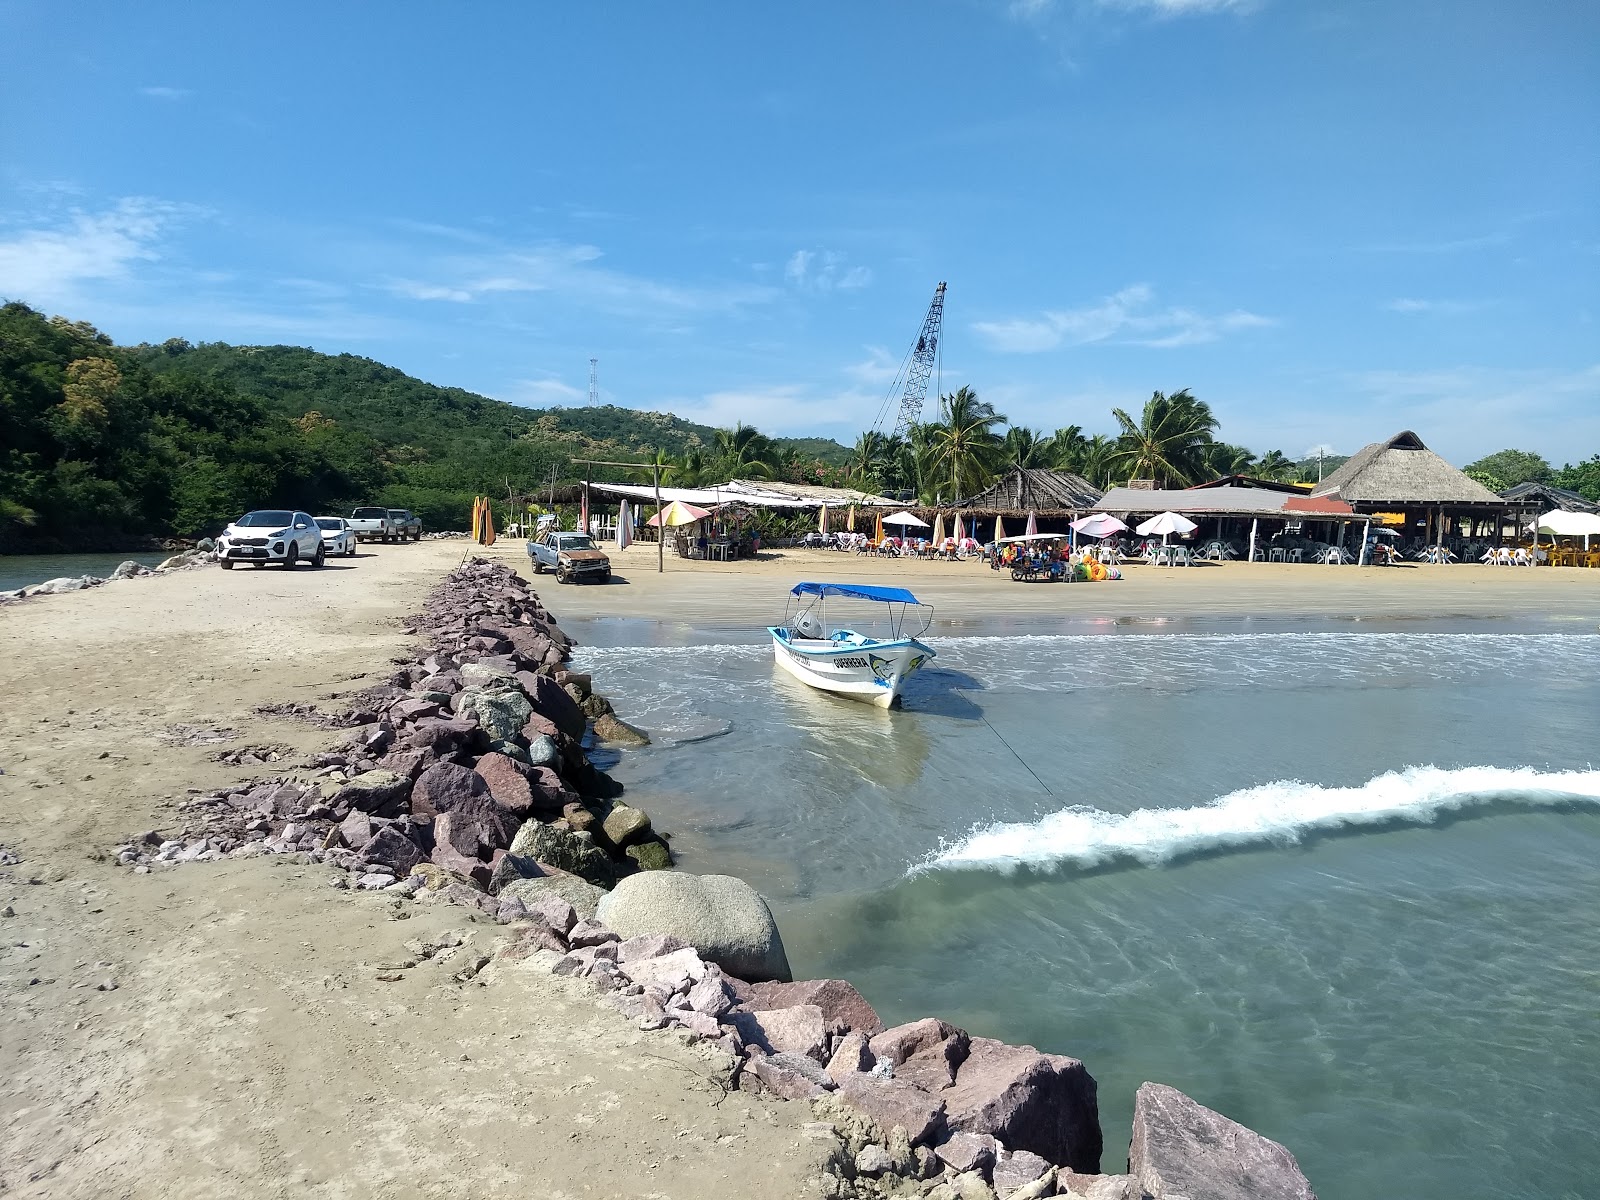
(1512, 467)
(1222, 458)
(1583, 478)
(1067, 448)
(1025, 448)
(1274, 464)
(1168, 442)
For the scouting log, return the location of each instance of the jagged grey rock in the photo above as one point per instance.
(1182, 1150)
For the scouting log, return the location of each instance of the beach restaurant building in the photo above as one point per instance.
(1054, 498)
(1405, 486)
(1244, 515)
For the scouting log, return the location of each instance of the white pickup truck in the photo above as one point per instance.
(373, 525)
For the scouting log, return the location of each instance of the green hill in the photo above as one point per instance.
(108, 445)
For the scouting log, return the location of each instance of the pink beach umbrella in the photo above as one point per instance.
(1033, 525)
(961, 530)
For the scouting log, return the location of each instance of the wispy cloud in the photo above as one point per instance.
(1179, 8)
(824, 271)
(48, 264)
(1458, 245)
(789, 408)
(877, 369)
(1128, 316)
(545, 393)
(166, 93)
(1412, 306)
(572, 272)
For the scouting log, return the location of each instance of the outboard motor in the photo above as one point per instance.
(806, 625)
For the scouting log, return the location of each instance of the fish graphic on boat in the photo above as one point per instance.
(843, 661)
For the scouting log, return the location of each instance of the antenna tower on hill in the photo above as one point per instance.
(594, 383)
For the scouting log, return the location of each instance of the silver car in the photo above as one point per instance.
(277, 535)
(337, 536)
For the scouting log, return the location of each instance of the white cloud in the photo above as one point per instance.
(823, 271)
(166, 93)
(47, 265)
(409, 289)
(572, 272)
(1466, 412)
(878, 368)
(1029, 10)
(1179, 8)
(1412, 306)
(546, 393)
(781, 409)
(1125, 317)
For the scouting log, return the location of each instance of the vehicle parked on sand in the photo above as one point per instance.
(337, 536)
(271, 535)
(572, 556)
(372, 525)
(405, 525)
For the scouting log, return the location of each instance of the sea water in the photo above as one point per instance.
(1339, 881)
(24, 570)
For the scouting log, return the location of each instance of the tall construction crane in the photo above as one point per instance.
(919, 366)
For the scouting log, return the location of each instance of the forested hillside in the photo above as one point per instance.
(105, 445)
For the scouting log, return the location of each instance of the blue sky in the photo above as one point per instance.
(1330, 221)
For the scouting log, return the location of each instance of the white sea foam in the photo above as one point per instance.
(1279, 813)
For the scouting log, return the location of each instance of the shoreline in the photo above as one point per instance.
(680, 598)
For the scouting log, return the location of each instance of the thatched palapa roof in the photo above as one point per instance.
(1034, 489)
(1402, 472)
(1225, 502)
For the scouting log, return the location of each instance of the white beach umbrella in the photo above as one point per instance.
(961, 530)
(822, 521)
(999, 528)
(905, 520)
(1165, 523)
(1098, 525)
(938, 530)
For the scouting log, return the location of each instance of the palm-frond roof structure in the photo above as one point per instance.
(1403, 473)
(1033, 489)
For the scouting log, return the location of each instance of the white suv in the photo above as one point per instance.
(271, 535)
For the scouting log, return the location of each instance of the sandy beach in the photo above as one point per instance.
(222, 1028)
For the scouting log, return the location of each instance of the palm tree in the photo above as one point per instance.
(1096, 462)
(870, 459)
(1067, 448)
(1221, 458)
(1168, 442)
(690, 469)
(1024, 448)
(745, 450)
(1274, 464)
(964, 450)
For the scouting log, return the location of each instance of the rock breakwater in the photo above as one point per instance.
(463, 779)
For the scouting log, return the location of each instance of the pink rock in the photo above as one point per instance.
(1100, 1187)
(789, 1076)
(648, 945)
(968, 1152)
(850, 1056)
(892, 1102)
(842, 1006)
(934, 1067)
(1181, 1148)
(710, 995)
(1045, 1103)
(538, 724)
(676, 970)
(445, 786)
(356, 830)
(551, 699)
(392, 848)
(796, 1030)
(1018, 1168)
(508, 783)
(589, 933)
(582, 961)
(447, 856)
(554, 912)
(698, 1022)
(900, 1043)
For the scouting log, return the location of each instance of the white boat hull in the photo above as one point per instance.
(862, 670)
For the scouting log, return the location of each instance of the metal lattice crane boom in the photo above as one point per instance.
(923, 356)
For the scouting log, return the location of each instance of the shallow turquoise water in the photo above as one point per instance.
(1213, 855)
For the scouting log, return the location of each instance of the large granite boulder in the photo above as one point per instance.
(724, 918)
(501, 712)
(566, 851)
(582, 895)
(892, 1102)
(1182, 1150)
(797, 1030)
(1045, 1103)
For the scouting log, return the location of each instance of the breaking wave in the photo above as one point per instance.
(1281, 813)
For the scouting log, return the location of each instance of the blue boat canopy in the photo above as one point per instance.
(857, 591)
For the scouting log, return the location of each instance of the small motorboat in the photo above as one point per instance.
(843, 661)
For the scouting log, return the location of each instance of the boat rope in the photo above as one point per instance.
(1018, 757)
